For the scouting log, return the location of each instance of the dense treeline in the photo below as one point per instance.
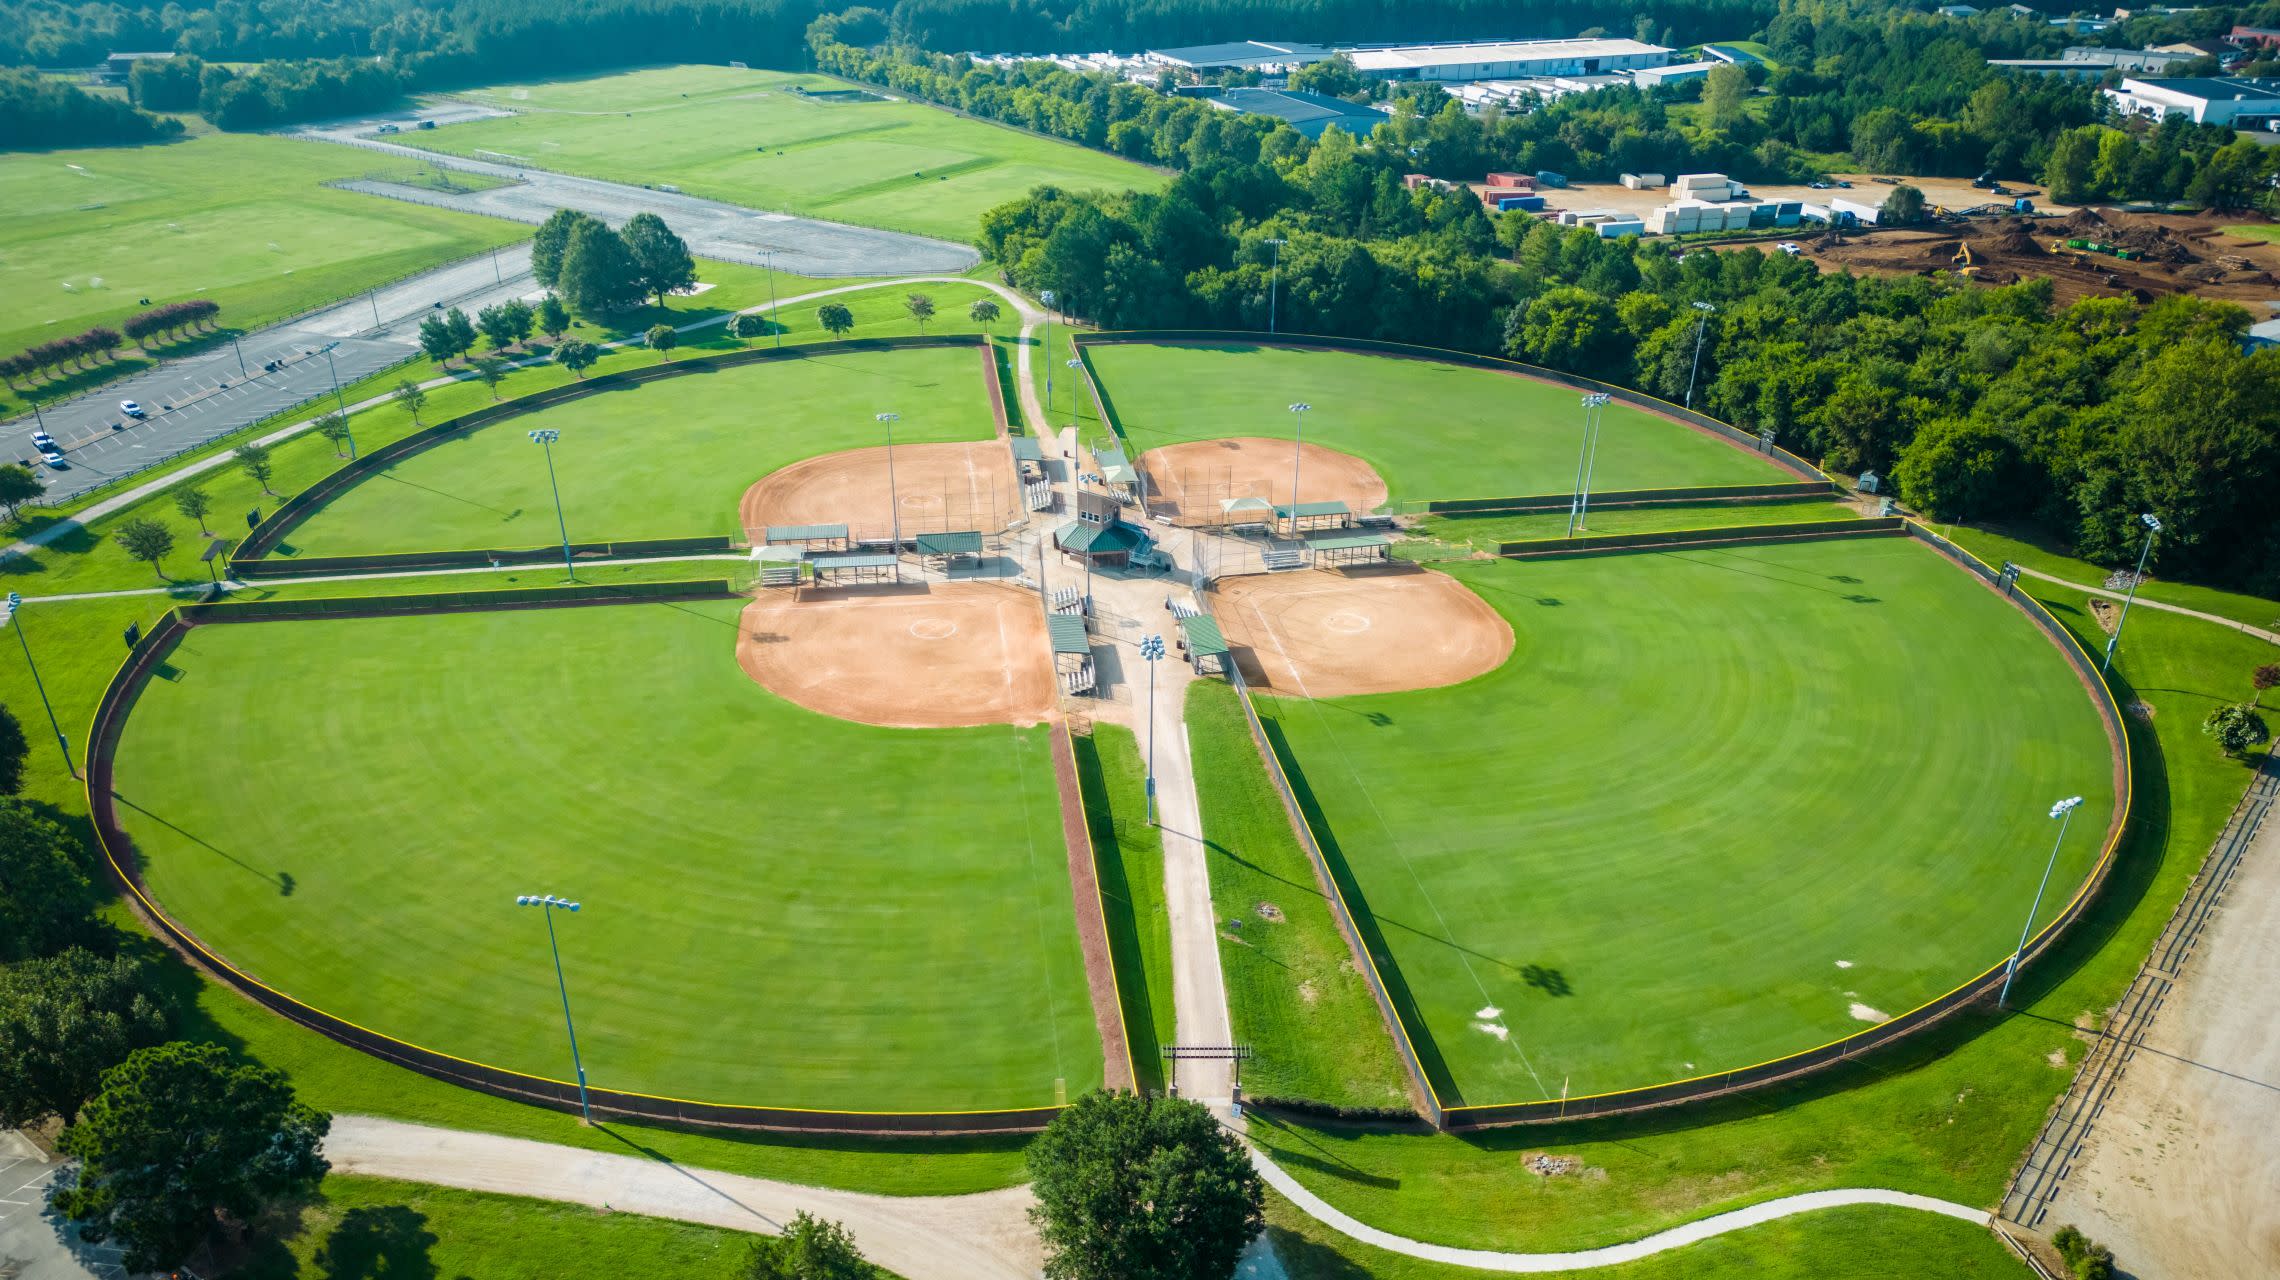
(1983, 403)
(283, 92)
(39, 112)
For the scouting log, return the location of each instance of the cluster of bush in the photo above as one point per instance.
(51, 358)
(2086, 1258)
(171, 318)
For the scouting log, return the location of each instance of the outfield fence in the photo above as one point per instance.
(1677, 497)
(1727, 536)
(149, 656)
(1783, 458)
(255, 556)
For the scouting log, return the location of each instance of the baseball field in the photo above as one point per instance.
(779, 908)
(664, 459)
(1717, 806)
(767, 140)
(1435, 431)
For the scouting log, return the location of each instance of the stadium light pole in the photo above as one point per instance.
(1297, 447)
(339, 405)
(544, 438)
(776, 330)
(1274, 280)
(1074, 364)
(2152, 527)
(8, 618)
(1046, 297)
(547, 903)
(894, 504)
(2064, 812)
(1700, 324)
(1152, 648)
(1594, 412)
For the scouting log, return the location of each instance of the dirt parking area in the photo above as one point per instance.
(940, 488)
(2170, 253)
(914, 656)
(1188, 482)
(1951, 193)
(2181, 1172)
(1325, 634)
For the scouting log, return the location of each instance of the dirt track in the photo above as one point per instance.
(1322, 634)
(942, 487)
(913, 657)
(1188, 481)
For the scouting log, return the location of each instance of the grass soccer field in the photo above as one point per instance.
(238, 218)
(780, 908)
(1720, 805)
(666, 459)
(1432, 430)
(751, 138)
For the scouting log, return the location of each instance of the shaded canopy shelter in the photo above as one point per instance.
(1101, 544)
(1206, 648)
(1072, 651)
(809, 534)
(1255, 511)
(1351, 548)
(1315, 515)
(948, 547)
(836, 568)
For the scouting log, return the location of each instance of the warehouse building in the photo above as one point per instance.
(2232, 101)
(1240, 55)
(1507, 59)
(1310, 113)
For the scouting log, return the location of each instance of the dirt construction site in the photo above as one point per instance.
(2088, 253)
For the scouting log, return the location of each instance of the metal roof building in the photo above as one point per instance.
(1310, 113)
(2232, 101)
(1240, 55)
(1507, 59)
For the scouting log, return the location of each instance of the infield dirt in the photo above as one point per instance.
(912, 656)
(1323, 634)
(939, 488)
(1188, 481)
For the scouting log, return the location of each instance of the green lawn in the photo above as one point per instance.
(1719, 806)
(752, 138)
(780, 908)
(1432, 430)
(659, 460)
(1292, 991)
(1995, 547)
(1130, 858)
(1487, 531)
(238, 218)
(2255, 231)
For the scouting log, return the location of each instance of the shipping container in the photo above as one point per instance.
(1548, 178)
(1617, 228)
(1509, 180)
(1642, 181)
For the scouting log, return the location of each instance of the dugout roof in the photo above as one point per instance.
(1028, 449)
(1351, 542)
(1068, 633)
(1203, 638)
(1305, 510)
(807, 532)
(949, 544)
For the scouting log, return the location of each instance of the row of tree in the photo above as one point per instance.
(73, 354)
(36, 111)
(170, 318)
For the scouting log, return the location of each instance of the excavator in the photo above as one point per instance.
(1969, 265)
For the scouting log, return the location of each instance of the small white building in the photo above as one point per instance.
(1657, 77)
(2231, 101)
(1507, 59)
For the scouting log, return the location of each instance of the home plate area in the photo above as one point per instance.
(915, 655)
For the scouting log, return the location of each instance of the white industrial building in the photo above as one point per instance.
(1240, 55)
(1656, 77)
(2231, 101)
(1507, 59)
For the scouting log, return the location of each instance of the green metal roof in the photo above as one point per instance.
(805, 532)
(1087, 538)
(1351, 542)
(949, 544)
(850, 560)
(1109, 456)
(1068, 633)
(1306, 509)
(1203, 638)
(1119, 473)
(1028, 449)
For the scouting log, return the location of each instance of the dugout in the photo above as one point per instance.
(1346, 549)
(1315, 515)
(777, 566)
(1118, 473)
(1205, 647)
(1246, 515)
(948, 549)
(1072, 652)
(816, 536)
(839, 569)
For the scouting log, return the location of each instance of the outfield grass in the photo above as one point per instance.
(1432, 430)
(1292, 991)
(752, 138)
(781, 908)
(1995, 547)
(1719, 806)
(658, 460)
(1489, 530)
(1129, 855)
(238, 218)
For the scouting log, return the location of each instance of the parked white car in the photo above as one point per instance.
(132, 409)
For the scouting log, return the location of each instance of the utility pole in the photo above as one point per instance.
(548, 902)
(545, 437)
(2064, 812)
(1700, 324)
(2152, 527)
(1274, 281)
(894, 504)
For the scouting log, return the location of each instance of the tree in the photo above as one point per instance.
(551, 242)
(1959, 470)
(921, 308)
(146, 540)
(436, 340)
(2237, 729)
(661, 259)
(1565, 328)
(45, 895)
(749, 324)
(1723, 92)
(462, 331)
(553, 317)
(835, 318)
(1138, 1188)
(489, 370)
(1904, 207)
(809, 1249)
(18, 485)
(506, 323)
(65, 1019)
(14, 750)
(599, 275)
(577, 355)
(661, 338)
(180, 1137)
(194, 504)
(984, 312)
(411, 397)
(255, 461)
(2262, 678)
(334, 428)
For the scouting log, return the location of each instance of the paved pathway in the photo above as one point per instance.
(2260, 633)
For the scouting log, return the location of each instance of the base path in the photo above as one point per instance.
(1189, 481)
(920, 655)
(1327, 634)
(976, 1237)
(937, 488)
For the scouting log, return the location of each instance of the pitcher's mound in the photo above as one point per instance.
(958, 653)
(941, 488)
(1325, 635)
(1189, 481)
